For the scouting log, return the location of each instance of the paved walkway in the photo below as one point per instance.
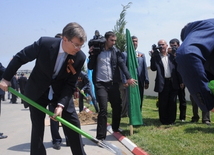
(15, 123)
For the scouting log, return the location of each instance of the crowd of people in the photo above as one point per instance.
(53, 81)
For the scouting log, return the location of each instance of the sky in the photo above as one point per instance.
(25, 21)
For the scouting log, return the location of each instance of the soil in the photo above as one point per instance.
(86, 116)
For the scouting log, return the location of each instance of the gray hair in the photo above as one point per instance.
(72, 30)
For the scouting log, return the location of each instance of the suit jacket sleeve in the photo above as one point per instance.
(122, 65)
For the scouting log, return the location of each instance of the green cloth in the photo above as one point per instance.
(211, 86)
(135, 115)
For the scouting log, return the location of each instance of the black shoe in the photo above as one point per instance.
(194, 121)
(207, 122)
(2, 137)
(1, 134)
(57, 146)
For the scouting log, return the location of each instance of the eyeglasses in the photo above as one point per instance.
(76, 46)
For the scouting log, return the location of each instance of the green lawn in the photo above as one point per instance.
(183, 138)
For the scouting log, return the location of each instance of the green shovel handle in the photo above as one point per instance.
(60, 119)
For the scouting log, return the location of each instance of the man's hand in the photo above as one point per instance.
(57, 112)
(146, 86)
(132, 82)
(82, 91)
(182, 85)
(4, 84)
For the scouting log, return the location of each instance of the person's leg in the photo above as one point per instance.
(81, 104)
(74, 139)
(37, 132)
(172, 106)
(182, 104)
(54, 126)
(115, 100)
(124, 98)
(195, 116)
(94, 101)
(163, 99)
(102, 99)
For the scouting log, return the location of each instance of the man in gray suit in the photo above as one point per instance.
(143, 78)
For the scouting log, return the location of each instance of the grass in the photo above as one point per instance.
(183, 138)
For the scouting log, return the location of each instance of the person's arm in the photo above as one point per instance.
(27, 54)
(124, 69)
(190, 66)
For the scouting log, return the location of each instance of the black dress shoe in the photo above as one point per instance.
(2, 137)
(207, 122)
(57, 146)
(1, 134)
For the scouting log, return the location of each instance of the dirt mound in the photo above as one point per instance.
(87, 117)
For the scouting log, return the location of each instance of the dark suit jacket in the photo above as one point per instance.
(45, 52)
(195, 57)
(157, 65)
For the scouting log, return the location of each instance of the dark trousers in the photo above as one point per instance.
(105, 92)
(22, 92)
(54, 126)
(167, 103)
(81, 104)
(195, 117)
(182, 103)
(37, 133)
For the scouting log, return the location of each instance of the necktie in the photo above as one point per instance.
(60, 59)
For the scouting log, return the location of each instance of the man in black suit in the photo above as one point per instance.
(174, 44)
(53, 78)
(166, 82)
(22, 82)
(2, 69)
(84, 85)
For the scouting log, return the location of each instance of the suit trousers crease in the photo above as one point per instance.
(107, 92)
(167, 103)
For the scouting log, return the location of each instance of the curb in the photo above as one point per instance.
(126, 142)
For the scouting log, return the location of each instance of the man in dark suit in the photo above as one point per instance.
(22, 82)
(143, 78)
(84, 85)
(166, 82)
(2, 69)
(174, 44)
(53, 78)
(195, 59)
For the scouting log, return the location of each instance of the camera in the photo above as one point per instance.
(156, 49)
(174, 49)
(98, 44)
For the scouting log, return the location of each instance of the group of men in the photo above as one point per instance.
(59, 62)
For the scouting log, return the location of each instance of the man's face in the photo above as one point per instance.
(163, 44)
(110, 42)
(135, 43)
(72, 46)
(174, 45)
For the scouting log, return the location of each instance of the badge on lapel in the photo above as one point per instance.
(70, 68)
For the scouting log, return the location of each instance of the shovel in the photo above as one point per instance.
(102, 144)
(89, 100)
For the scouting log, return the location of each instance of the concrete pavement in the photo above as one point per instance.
(15, 123)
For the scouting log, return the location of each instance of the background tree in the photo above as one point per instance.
(119, 29)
